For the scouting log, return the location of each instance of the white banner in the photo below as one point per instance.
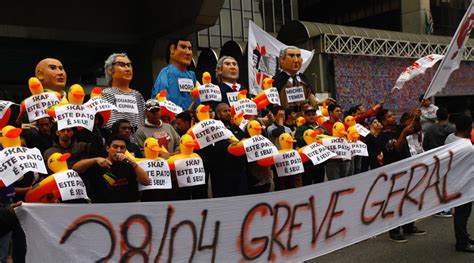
(454, 54)
(4, 105)
(246, 106)
(362, 130)
(70, 185)
(288, 163)
(185, 85)
(17, 161)
(97, 104)
(358, 148)
(258, 147)
(339, 146)
(209, 92)
(37, 105)
(273, 96)
(317, 153)
(417, 68)
(74, 115)
(263, 53)
(295, 94)
(169, 105)
(159, 173)
(284, 226)
(126, 103)
(190, 172)
(210, 131)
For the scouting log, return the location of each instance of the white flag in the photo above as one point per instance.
(417, 68)
(454, 54)
(263, 53)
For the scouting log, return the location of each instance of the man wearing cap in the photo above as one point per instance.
(293, 86)
(155, 127)
(313, 174)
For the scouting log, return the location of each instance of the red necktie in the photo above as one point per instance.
(234, 87)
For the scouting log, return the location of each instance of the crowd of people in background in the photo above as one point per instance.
(100, 154)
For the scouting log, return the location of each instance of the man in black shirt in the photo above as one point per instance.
(392, 141)
(112, 179)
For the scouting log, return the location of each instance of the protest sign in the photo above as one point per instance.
(288, 163)
(285, 226)
(358, 148)
(339, 146)
(74, 115)
(185, 85)
(232, 97)
(159, 173)
(190, 172)
(362, 130)
(37, 105)
(295, 94)
(126, 103)
(169, 105)
(258, 147)
(273, 96)
(70, 185)
(97, 104)
(17, 161)
(4, 105)
(317, 153)
(246, 106)
(209, 92)
(208, 132)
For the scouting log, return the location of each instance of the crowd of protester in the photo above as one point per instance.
(100, 155)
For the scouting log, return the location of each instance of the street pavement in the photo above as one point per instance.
(436, 246)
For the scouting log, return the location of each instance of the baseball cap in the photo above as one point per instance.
(310, 108)
(152, 104)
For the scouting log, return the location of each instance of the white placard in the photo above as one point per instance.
(97, 104)
(273, 96)
(17, 161)
(169, 105)
(185, 85)
(243, 125)
(159, 173)
(339, 146)
(295, 94)
(288, 163)
(358, 148)
(246, 106)
(4, 105)
(317, 153)
(74, 115)
(190, 172)
(37, 105)
(210, 131)
(362, 130)
(209, 92)
(70, 185)
(126, 103)
(232, 97)
(258, 147)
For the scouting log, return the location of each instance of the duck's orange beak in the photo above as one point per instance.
(243, 92)
(207, 78)
(97, 91)
(13, 133)
(35, 85)
(290, 140)
(155, 148)
(191, 144)
(78, 95)
(64, 157)
(204, 109)
(163, 93)
(314, 134)
(258, 128)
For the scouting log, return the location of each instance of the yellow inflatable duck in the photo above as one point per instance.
(206, 79)
(324, 110)
(338, 130)
(253, 128)
(309, 137)
(76, 94)
(202, 113)
(238, 118)
(300, 121)
(352, 134)
(47, 190)
(261, 99)
(35, 88)
(349, 121)
(186, 145)
(286, 144)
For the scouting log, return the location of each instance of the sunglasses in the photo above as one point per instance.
(123, 64)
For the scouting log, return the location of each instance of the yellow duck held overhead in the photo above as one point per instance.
(206, 79)
(76, 94)
(352, 134)
(349, 121)
(47, 190)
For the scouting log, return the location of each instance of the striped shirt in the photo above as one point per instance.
(136, 120)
